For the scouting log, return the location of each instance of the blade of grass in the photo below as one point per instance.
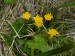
(66, 5)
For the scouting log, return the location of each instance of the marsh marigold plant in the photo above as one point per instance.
(26, 15)
(52, 32)
(35, 33)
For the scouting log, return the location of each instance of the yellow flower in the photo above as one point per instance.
(38, 21)
(48, 16)
(38, 24)
(26, 15)
(52, 32)
(38, 18)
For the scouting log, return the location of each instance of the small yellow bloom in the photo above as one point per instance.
(26, 15)
(38, 21)
(38, 24)
(52, 32)
(38, 18)
(48, 16)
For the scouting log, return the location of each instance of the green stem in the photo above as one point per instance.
(32, 52)
(52, 43)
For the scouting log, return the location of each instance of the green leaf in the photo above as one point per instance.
(10, 2)
(7, 39)
(31, 44)
(20, 41)
(39, 43)
(30, 21)
(18, 24)
(59, 50)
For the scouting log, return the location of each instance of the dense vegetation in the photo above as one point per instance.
(37, 28)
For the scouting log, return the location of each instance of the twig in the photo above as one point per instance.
(32, 34)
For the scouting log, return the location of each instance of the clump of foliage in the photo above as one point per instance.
(37, 35)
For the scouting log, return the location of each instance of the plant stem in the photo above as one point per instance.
(32, 52)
